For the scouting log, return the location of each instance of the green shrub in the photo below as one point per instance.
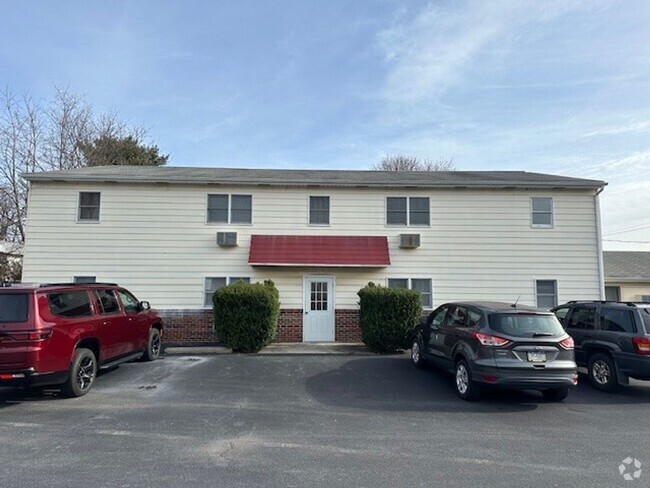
(246, 315)
(387, 316)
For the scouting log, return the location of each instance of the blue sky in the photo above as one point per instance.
(550, 86)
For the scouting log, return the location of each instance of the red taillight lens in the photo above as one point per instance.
(567, 343)
(490, 340)
(641, 345)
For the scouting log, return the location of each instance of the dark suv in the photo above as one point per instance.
(493, 344)
(612, 340)
(60, 334)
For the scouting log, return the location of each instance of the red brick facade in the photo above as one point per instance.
(194, 327)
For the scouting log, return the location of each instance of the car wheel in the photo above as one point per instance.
(416, 354)
(81, 376)
(556, 394)
(154, 346)
(602, 372)
(466, 388)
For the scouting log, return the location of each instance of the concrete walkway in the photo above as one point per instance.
(284, 348)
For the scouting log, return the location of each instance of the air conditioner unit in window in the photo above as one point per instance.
(409, 241)
(226, 239)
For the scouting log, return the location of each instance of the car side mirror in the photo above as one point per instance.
(144, 305)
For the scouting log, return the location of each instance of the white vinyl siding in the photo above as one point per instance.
(631, 292)
(480, 245)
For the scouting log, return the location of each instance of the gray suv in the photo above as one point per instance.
(612, 340)
(493, 344)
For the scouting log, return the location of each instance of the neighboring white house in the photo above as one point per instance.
(173, 235)
(627, 276)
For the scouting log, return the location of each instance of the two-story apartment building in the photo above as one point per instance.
(174, 235)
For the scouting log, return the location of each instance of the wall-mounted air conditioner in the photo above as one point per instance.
(409, 241)
(226, 239)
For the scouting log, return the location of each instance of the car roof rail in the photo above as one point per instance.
(46, 285)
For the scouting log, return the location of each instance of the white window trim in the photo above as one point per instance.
(557, 289)
(78, 210)
(329, 211)
(229, 195)
(408, 212)
(228, 279)
(410, 286)
(542, 226)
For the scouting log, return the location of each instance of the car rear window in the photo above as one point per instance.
(616, 320)
(13, 307)
(526, 325)
(70, 304)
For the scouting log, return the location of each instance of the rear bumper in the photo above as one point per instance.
(633, 365)
(30, 377)
(526, 379)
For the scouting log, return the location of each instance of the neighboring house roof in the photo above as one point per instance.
(306, 177)
(339, 251)
(627, 266)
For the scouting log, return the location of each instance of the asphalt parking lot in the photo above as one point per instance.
(303, 421)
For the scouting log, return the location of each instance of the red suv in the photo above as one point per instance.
(60, 334)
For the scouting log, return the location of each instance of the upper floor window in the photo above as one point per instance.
(89, 202)
(230, 209)
(541, 212)
(422, 285)
(319, 210)
(546, 291)
(407, 211)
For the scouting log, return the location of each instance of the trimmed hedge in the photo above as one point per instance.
(246, 315)
(388, 316)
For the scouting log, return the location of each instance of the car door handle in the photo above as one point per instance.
(106, 322)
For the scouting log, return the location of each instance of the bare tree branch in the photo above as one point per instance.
(412, 163)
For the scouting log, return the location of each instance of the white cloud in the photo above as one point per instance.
(630, 127)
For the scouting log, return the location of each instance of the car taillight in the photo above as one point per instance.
(490, 340)
(567, 343)
(641, 345)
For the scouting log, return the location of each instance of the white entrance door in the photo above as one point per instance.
(318, 324)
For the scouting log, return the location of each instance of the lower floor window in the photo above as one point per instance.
(546, 291)
(84, 279)
(212, 284)
(422, 285)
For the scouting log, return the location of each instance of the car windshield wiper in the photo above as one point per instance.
(543, 334)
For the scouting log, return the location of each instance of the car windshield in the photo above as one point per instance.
(526, 325)
(13, 307)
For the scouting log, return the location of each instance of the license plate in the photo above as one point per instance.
(536, 357)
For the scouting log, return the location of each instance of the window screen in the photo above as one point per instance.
(241, 209)
(542, 211)
(546, 293)
(396, 211)
(89, 203)
(319, 210)
(218, 208)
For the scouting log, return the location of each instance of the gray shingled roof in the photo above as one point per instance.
(306, 177)
(627, 265)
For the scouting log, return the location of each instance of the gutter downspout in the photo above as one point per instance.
(599, 245)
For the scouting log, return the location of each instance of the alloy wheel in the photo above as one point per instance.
(86, 373)
(415, 352)
(601, 372)
(462, 379)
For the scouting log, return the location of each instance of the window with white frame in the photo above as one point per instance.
(541, 212)
(407, 211)
(212, 284)
(546, 293)
(89, 203)
(421, 285)
(230, 209)
(319, 210)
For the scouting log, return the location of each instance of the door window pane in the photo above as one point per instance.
(582, 318)
(616, 320)
(319, 295)
(106, 301)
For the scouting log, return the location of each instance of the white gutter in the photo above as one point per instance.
(599, 245)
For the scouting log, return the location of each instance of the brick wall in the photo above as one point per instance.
(195, 327)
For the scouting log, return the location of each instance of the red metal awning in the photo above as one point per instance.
(333, 251)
